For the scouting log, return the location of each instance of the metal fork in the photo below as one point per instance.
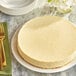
(2, 51)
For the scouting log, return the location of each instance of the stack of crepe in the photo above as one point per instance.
(47, 42)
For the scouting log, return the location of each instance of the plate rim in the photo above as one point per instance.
(18, 11)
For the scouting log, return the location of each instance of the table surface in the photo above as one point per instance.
(13, 23)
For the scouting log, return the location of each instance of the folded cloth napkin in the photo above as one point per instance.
(7, 70)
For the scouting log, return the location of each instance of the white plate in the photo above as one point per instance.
(17, 7)
(29, 66)
(20, 7)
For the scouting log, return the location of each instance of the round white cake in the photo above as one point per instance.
(47, 42)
